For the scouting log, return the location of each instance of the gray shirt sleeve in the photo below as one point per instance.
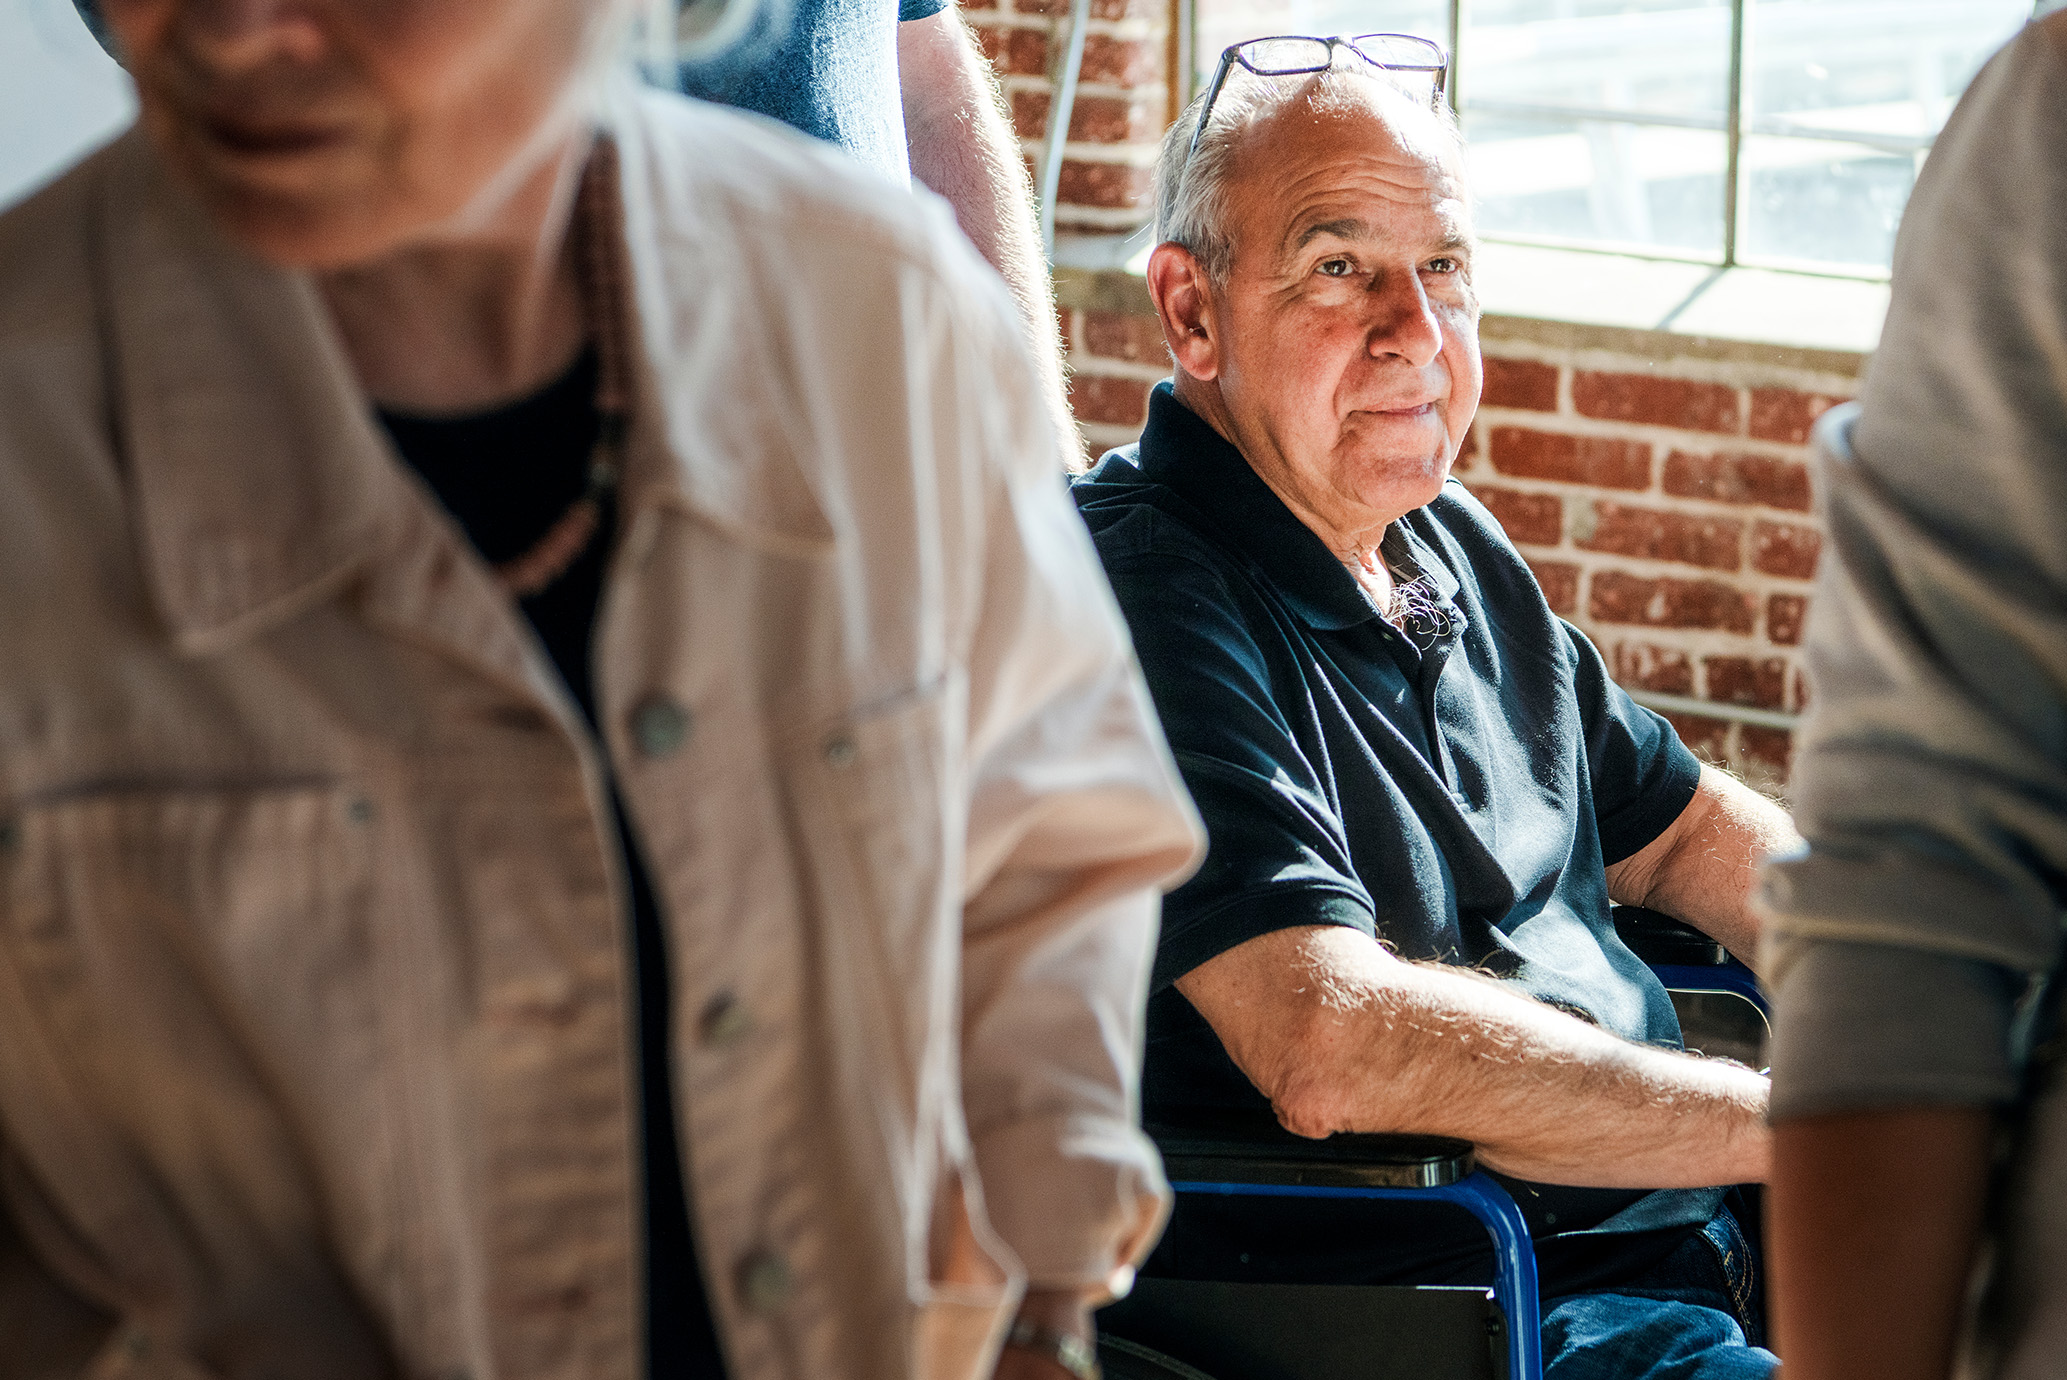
(1931, 776)
(1847, 1033)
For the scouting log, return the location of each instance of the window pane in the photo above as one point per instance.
(1652, 56)
(1817, 201)
(59, 93)
(1598, 181)
(1887, 70)
(1219, 23)
(1541, 81)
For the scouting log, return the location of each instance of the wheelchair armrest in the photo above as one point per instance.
(1657, 938)
(1257, 1150)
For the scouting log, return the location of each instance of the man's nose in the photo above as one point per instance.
(1404, 323)
(237, 35)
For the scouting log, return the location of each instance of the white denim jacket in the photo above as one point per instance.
(316, 1053)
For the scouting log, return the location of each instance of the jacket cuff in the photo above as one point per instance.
(1080, 1200)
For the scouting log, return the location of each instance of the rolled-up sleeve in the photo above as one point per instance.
(1931, 775)
(1077, 819)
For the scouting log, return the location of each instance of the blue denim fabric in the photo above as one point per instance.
(1687, 1318)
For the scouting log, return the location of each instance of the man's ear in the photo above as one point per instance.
(1184, 302)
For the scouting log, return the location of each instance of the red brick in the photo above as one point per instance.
(1530, 519)
(1095, 120)
(1602, 461)
(1655, 535)
(1708, 739)
(1120, 335)
(1473, 447)
(1774, 747)
(1619, 597)
(1110, 61)
(1780, 548)
(1102, 184)
(1030, 113)
(1014, 52)
(1798, 692)
(1738, 479)
(1640, 666)
(1782, 414)
(1520, 383)
(1742, 680)
(1660, 402)
(1114, 401)
(1784, 615)
(1066, 328)
(1560, 583)
(1128, 9)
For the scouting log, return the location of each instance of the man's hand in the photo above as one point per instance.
(1703, 868)
(1061, 1311)
(1343, 1036)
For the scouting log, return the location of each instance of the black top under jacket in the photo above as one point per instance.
(1455, 788)
(506, 476)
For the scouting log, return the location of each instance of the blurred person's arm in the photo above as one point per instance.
(1875, 1218)
(962, 147)
(1076, 820)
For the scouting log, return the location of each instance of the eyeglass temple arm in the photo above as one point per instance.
(1206, 110)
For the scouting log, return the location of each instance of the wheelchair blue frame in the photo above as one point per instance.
(1514, 1257)
(1732, 977)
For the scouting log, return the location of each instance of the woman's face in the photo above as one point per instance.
(324, 133)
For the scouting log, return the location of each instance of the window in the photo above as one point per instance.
(1771, 133)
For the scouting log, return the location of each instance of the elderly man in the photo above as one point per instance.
(1421, 788)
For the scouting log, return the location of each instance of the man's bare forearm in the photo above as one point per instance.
(1703, 868)
(963, 148)
(1874, 1221)
(1342, 1036)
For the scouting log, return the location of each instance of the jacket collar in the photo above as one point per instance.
(258, 480)
(1180, 450)
(261, 481)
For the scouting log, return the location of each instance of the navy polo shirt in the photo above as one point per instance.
(1454, 786)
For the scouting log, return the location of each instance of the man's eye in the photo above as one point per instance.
(1337, 268)
(1443, 265)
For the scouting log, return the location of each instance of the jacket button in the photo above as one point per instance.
(724, 1020)
(659, 726)
(765, 1281)
(10, 834)
(840, 753)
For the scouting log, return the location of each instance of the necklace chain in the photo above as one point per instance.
(599, 249)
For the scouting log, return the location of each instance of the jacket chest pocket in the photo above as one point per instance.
(194, 964)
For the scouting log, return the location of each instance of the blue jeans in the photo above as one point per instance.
(1686, 1318)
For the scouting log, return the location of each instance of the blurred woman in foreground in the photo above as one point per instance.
(548, 677)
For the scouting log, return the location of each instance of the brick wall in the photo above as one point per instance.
(1122, 103)
(1659, 485)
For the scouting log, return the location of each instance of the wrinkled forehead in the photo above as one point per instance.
(1352, 136)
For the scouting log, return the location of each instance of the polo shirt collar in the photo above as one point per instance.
(1181, 451)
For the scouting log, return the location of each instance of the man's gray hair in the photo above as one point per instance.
(1191, 202)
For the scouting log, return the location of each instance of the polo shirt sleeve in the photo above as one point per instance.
(1277, 855)
(1642, 776)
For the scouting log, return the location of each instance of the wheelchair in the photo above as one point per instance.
(1182, 1329)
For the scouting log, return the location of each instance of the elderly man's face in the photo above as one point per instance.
(325, 132)
(1347, 360)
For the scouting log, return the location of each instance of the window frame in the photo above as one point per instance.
(1734, 126)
